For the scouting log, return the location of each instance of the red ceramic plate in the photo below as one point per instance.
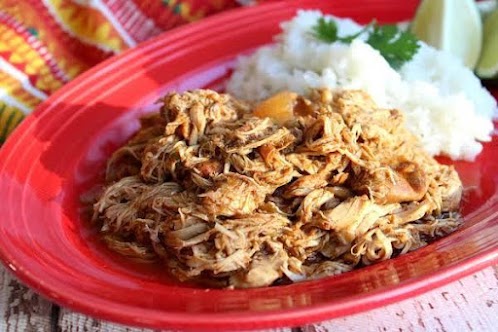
(59, 152)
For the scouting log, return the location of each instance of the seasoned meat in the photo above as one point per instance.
(353, 217)
(450, 188)
(404, 182)
(233, 194)
(305, 187)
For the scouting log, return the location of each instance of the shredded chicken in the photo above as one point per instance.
(233, 200)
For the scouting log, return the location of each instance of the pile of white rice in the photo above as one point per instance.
(443, 101)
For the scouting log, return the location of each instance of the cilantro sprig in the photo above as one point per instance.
(395, 45)
(327, 31)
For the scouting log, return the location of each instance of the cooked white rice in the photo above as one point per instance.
(443, 101)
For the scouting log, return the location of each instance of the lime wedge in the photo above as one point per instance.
(488, 63)
(486, 7)
(453, 26)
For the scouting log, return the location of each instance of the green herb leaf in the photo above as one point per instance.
(396, 46)
(325, 30)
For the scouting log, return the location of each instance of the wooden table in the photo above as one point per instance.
(470, 304)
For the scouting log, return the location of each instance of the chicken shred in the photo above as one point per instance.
(229, 199)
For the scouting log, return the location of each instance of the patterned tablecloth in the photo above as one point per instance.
(46, 43)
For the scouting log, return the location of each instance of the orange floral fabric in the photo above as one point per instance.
(46, 43)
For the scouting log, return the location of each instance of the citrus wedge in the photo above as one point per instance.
(488, 63)
(486, 7)
(453, 26)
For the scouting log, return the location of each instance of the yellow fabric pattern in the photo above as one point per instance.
(46, 43)
(10, 117)
(87, 24)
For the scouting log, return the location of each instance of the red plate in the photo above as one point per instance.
(59, 152)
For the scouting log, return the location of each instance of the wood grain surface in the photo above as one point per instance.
(469, 304)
